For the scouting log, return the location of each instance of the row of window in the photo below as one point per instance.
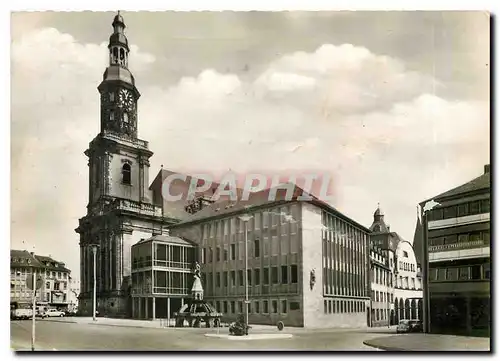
(460, 238)
(460, 210)
(382, 296)
(230, 252)
(27, 271)
(343, 283)
(380, 314)
(260, 220)
(406, 266)
(57, 285)
(257, 307)
(407, 283)
(343, 306)
(463, 273)
(269, 275)
(382, 277)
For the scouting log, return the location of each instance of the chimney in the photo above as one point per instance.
(487, 169)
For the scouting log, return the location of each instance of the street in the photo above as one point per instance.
(63, 336)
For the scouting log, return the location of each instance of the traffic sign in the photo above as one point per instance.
(38, 283)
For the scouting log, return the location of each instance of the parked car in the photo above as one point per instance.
(416, 326)
(52, 312)
(21, 313)
(407, 326)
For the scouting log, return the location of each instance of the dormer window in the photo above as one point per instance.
(29, 261)
(126, 174)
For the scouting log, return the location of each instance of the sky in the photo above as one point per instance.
(393, 105)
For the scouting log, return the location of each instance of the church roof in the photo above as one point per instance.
(417, 240)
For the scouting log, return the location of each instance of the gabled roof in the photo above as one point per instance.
(480, 183)
(417, 240)
(24, 258)
(176, 209)
(20, 258)
(261, 199)
(256, 199)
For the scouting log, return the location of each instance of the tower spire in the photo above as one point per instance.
(118, 43)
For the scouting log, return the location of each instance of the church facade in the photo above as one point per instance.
(120, 211)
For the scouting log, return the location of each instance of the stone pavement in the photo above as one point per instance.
(119, 322)
(429, 342)
(251, 336)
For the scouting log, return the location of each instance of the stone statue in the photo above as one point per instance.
(197, 270)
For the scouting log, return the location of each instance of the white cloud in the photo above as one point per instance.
(375, 126)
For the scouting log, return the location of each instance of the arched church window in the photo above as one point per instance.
(126, 173)
(125, 117)
(111, 116)
(376, 228)
(115, 55)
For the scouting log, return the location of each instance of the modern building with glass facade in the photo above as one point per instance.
(459, 264)
(307, 263)
(161, 276)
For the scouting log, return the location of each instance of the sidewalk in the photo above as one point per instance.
(429, 342)
(161, 324)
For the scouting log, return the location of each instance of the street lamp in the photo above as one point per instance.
(94, 296)
(425, 267)
(33, 284)
(245, 218)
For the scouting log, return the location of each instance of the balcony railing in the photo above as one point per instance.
(142, 208)
(173, 264)
(136, 142)
(162, 264)
(457, 246)
(125, 205)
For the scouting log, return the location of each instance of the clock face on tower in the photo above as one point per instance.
(126, 100)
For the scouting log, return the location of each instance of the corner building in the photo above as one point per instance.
(307, 263)
(459, 259)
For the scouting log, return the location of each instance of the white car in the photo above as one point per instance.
(53, 313)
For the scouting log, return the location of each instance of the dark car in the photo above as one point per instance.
(407, 326)
(416, 326)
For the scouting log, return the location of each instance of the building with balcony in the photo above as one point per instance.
(53, 275)
(459, 266)
(308, 264)
(396, 282)
(161, 276)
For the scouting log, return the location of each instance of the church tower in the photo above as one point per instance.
(119, 95)
(119, 211)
